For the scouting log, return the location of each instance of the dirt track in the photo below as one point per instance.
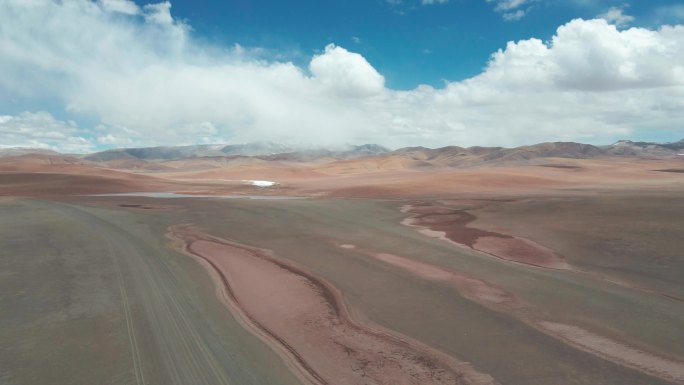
(95, 301)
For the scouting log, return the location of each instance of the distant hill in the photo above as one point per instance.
(452, 156)
(18, 151)
(194, 151)
(350, 157)
(33, 161)
(350, 152)
(629, 148)
(265, 150)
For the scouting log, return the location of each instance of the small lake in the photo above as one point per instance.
(177, 195)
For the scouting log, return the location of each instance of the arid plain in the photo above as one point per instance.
(542, 266)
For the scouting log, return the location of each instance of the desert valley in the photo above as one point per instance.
(386, 192)
(556, 263)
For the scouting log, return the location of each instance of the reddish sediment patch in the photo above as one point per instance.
(473, 288)
(452, 224)
(655, 365)
(305, 319)
(520, 250)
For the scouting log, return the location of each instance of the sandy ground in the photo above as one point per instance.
(27, 176)
(671, 369)
(629, 238)
(407, 296)
(539, 275)
(498, 299)
(452, 225)
(663, 367)
(487, 292)
(92, 297)
(473, 288)
(307, 318)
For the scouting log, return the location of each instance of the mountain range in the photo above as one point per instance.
(448, 156)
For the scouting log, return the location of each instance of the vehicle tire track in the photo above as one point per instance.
(130, 327)
(186, 356)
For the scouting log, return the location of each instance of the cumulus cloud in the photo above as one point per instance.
(346, 73)
(594, 56)
(616, 15)
(144, 80)
(430, 2)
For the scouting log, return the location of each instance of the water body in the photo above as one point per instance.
(177, 195)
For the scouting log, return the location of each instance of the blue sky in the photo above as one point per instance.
(84, 75)
(410, 43)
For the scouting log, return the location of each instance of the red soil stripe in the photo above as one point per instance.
(452, 225)
(305, 317)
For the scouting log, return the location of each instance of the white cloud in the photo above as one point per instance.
(616, 15)
(146, 81)
(42, 130)
(670, 12)
(346, 73)
(514, 16)
(511, 9)
(123, 6)
(594, 56)
(159, 13)
(507, 5)
(431, 2)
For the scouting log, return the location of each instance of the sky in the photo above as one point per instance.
(86, 75)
